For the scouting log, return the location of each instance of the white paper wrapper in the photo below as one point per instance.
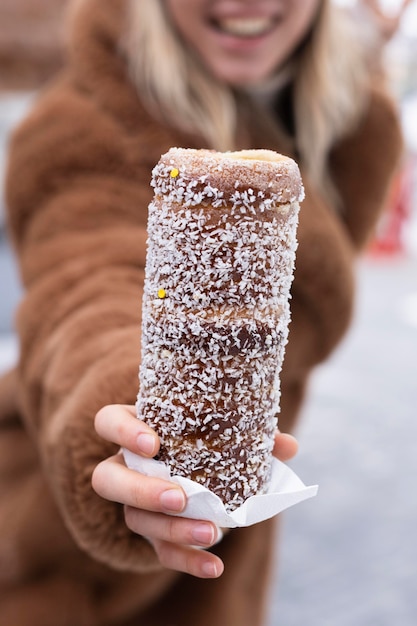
(285, 490)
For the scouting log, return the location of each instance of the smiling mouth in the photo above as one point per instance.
(244, 26)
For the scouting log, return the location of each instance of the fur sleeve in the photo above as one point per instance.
(363, 165)
(77, 214)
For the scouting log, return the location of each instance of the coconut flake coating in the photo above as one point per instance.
(220, 261)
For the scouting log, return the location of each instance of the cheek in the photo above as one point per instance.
(296, 28)
(186, 16)
(304, 15)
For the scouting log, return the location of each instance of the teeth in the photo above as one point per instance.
(245, 27)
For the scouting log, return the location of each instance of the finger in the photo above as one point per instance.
(285, 447)
(118, 423)
(172, 529)
(113, 481)
(188, 560)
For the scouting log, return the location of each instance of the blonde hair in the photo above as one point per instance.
(172, 82)
(329, 84)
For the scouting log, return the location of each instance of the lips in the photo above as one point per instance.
(244, 27)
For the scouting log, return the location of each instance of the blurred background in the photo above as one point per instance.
(349, 556)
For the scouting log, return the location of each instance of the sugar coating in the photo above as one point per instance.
(220, 262)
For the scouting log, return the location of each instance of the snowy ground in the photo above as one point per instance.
(349, 556)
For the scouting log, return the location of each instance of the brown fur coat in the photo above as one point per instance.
(77, 193)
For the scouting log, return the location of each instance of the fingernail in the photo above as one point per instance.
(172, 500)
(146, 444)
(210, 569)
(203, 534)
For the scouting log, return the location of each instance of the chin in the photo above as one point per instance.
(241, 79)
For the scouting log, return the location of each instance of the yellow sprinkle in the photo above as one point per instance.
(162, 293)
(174, 173)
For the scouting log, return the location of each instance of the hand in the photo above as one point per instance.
(286, 446)
(149, 503)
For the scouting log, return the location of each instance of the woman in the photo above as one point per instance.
(142, 77)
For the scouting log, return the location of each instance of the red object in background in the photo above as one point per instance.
(388, 239)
